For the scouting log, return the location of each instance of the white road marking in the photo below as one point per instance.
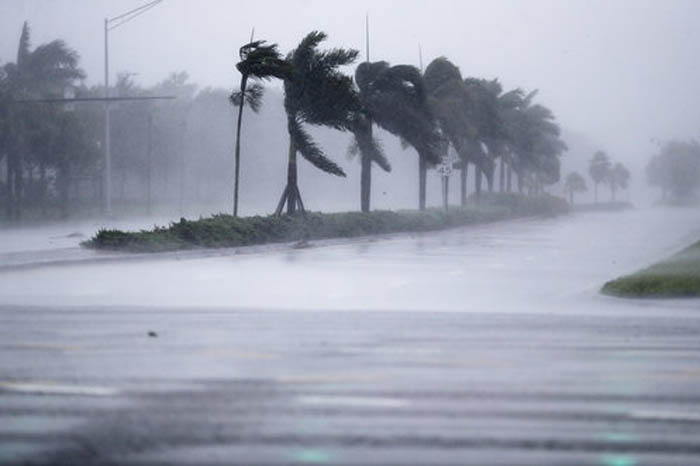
(666, 415)
(352, 401)
(44, 388)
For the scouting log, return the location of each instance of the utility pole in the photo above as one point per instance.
(110, 24)
(107, 169)
(366, 162)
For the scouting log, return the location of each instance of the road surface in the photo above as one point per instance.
(486, 345)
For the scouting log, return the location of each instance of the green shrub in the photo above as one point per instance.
(227, 231)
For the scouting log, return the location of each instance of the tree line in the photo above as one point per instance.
(51, 154)
(499, 133)
(676, 170)
(602, 171)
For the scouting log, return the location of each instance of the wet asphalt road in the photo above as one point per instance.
(348, 388)
(570, 378)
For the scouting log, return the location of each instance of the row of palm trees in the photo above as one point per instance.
(431, 111)
(602, 171)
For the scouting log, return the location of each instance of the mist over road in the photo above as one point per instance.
(485, 345)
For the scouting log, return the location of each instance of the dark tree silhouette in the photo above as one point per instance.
(599, 169)
(317, 93)
(258, 61)
(394, 97)
(42, 72)
(575, 183)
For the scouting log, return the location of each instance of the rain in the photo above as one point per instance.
(308, 232)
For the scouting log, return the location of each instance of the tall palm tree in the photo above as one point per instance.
(536, 143)
(574, 183)
(42, 72)
(394, 97)
(599, 169)
(453, 106)
(317, 93)
(258, 61)
(487, 126)
(619, 178)
(509, 105)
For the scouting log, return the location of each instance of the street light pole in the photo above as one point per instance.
(108, 26)
(107, 184)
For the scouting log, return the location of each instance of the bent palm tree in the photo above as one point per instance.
(394, 97)
(258, 61)
(599, 169)
(537, 144)
(316, 93)
(453, 107)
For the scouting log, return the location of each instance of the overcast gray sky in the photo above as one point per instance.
(621, 72)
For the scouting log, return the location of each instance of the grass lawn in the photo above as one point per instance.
(222, 230)
(676, 277)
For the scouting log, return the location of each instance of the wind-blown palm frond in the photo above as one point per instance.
(367, 73)
(262, 61)
(253, 97)
(395, 98)
(319, 94)
(366, 145)
(304, 143)
(258, 61)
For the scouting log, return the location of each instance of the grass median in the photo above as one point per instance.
(676, 277)
(220, 231)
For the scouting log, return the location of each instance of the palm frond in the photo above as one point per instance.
(253, 97)
(367, 72)
(263, 61)
(308, 148)
(337, 57)
(367, 145)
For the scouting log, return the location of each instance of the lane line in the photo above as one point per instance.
(47, 388)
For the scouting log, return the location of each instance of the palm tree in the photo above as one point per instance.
(452, 106)
(394, 97)
(258, 61)
(574, 183)
(536, 144)
(599, 169)
(42, 72)
(316, 93)
(489, 127)
(364, 142)
(619, 178)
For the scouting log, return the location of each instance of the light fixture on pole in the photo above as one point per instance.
(110, 24)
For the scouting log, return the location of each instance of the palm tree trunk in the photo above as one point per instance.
(422, 177)
(509, 179)
(571, 197)
(366, 179)
(502, 175)
(477, 181)
(8, 184)
(445, 192)
(19, 188)
(595, 192)
(365, 183)
(244, 82)
(42, 187)
(292, 189)
(463, 183)
(519, 176)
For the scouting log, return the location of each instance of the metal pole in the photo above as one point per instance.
(150, 159)
(108, 155)
(367, 35)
